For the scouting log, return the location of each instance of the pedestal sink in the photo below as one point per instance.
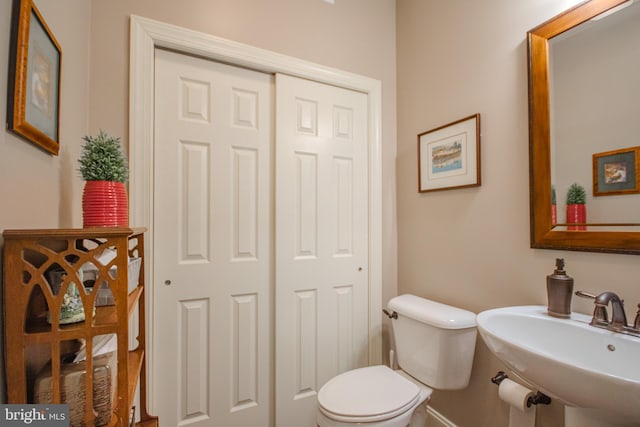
(594, 371)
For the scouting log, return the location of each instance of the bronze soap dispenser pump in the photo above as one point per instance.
(559, 291)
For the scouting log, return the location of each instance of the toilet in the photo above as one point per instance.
(435, 345)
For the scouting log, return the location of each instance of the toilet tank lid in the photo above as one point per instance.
(432, 313)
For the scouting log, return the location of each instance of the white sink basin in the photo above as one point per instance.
(583, 366)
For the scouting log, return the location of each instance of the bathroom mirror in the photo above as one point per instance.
(557, 158)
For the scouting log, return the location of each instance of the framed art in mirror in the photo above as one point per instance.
(33, 99)
(616, 172)
(449, 156)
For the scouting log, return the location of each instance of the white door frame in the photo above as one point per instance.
(146, 35)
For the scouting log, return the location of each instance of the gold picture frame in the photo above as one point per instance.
(33, 98)
(449, 156)
(616, 172)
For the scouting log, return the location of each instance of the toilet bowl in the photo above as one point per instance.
(435, 344)
(375, 395)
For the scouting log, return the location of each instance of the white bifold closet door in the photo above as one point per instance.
(260, 243)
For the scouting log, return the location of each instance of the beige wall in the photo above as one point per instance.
(470, 247)
(352, 35)
(38, 190)
(467, 247)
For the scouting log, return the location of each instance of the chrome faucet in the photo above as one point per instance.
(618, 322)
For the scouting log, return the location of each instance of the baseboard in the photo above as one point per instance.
(436, 419)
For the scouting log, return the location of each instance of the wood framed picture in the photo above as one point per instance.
(616, 172)
(33, 98)
(449, 156)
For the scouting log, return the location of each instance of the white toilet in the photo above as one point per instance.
(435, 345)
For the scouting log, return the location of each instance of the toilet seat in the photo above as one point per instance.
(374, 393)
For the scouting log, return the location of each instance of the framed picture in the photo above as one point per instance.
(33, 98)
(616, 172)
(449, 156)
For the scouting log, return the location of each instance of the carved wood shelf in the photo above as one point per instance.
(35, 338)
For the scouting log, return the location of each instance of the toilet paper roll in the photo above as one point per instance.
(515, 394)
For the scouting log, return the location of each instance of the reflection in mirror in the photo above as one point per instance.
(594, 89)
(584, 87)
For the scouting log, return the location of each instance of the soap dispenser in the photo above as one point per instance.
(559, 291)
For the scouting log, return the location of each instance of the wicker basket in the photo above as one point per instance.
(73, 390)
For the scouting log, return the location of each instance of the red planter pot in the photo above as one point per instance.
(554, 215)
(576, 214)
(105, 204)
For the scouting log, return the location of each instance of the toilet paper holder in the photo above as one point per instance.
(538, 399)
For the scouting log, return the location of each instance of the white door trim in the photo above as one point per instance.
(147, 34)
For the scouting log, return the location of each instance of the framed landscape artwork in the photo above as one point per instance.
(449, 156)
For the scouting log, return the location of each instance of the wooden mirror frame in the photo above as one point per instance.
(543, 236)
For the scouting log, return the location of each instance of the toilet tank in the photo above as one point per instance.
(435, 342)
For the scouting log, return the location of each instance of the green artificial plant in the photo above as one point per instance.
(553, 195)
(102, 159)
(576, 195)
